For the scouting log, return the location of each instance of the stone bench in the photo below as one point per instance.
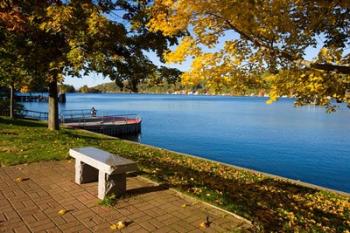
(92, 164)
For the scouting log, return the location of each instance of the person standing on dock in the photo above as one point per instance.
(93, 112)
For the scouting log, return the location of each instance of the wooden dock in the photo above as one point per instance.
(109, 125)
(113, 125)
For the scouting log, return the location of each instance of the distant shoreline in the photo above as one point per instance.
(153, 93)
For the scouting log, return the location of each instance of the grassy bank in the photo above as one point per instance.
(272, 204)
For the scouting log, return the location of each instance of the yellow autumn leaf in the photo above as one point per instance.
(62, 212)
(113, 227)
(19, 179)
(204, 224)
(118, 226)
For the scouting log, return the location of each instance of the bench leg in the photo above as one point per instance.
(84, 173)
(108, 184)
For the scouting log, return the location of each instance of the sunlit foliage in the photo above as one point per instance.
(253, 38)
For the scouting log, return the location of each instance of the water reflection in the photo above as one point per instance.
(134, 138)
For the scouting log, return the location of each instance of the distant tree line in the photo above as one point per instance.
(86, 89)
(156, 79)
(64, 88)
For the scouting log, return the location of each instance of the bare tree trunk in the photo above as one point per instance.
(12, 101)
(53, 123)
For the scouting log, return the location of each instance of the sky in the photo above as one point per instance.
(96, 79)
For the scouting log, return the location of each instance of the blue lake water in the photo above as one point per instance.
(305, 143)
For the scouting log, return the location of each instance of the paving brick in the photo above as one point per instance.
(58, 220)
(76, 228)
(21, 229)
(52, 230)
(148, 226)
(88, 222)
(163, 230)
(41, 225)
(33, 205)
(132, 228)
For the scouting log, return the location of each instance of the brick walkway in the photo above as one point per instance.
(32, 205)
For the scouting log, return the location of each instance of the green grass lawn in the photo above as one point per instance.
(30, 141)
(274, 205)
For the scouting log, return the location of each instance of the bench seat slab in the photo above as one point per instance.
(103, 160)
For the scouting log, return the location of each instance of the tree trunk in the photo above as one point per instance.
(12, 101)
(53, 123)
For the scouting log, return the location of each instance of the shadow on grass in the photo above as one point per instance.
(71, 133)
(260, 201)
(135, 173)
(21, 122)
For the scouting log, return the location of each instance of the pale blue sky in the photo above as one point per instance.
(95, 79)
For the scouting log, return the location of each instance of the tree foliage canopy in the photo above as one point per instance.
(77, 37)
(60, 38)
(262, 37)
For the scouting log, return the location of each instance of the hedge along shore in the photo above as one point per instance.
(272, 203)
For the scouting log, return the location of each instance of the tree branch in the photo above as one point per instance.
(331, 67)
(296, 59)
